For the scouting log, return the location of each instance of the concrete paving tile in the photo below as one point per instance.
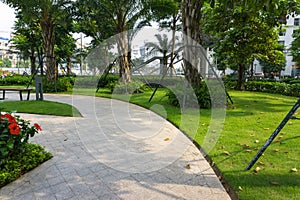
(55, 180)
(96, 166)
(83, 171)
(61, 191)
(100, 189)
(25, 196)
(80, 188)
(109, 196)
(44, 193)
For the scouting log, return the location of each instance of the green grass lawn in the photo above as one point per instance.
(39, 107)
(249, 122)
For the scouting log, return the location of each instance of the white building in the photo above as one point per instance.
(286, 39)
(7, 51)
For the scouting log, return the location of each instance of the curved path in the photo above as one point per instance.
(115, 151)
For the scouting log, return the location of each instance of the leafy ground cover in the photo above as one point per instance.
(249, 122)
(18, 164)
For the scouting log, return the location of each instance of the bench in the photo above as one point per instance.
(20, 90)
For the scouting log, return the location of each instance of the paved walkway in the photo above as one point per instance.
(115, 151)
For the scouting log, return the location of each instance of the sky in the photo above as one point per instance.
(8, 17)
(6, 20)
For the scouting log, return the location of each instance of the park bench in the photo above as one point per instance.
(20, 90)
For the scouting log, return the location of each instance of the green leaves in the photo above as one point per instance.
(18, 164)
(12, 140)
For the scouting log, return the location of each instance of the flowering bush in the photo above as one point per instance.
(14, 133)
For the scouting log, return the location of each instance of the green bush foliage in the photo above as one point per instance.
(288, 88)
(193, 98)
(63, 84)
(107, 81)
(128, 88)
(30, 157)
(14, 134)
(15, 80)
(17, 156)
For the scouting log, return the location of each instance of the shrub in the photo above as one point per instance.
(86, 81)
(17, 156)
(108, 81)
(15, 80)
(63, 84)
(13, 167)
(128, 88)
(285, 87)
(14, 133)
(193, 98)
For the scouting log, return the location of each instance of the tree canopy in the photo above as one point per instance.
(47, 14)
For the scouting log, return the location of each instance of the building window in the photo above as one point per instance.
(282, 33)
(297, 21)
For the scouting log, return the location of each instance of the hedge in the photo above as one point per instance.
(15, 80)
(288, 88)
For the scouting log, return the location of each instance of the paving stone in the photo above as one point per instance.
(62, 191)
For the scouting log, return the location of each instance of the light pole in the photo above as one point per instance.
(18, 64)
(80, 53)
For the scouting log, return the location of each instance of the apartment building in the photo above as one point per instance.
(286, 39)
(7, 51)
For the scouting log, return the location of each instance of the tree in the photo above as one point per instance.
(246, 31)
(99, 58)
(5, 62)
(168, 15)
(295, 46)
(105, 18)
(27, 39)
(274, 62)
(64, 48)
(246, 38)
(192, 39)
(47, 14)
(164, 46)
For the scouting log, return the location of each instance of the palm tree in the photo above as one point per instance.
(164, 46)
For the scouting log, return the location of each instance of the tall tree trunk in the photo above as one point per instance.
(41, 62)
(241, 72)
(191, 15)
(32, 62)
(251, 70)
(125, 75)
(47, 26)
(106, 59)
(173, 27)
(69, 65)
(165, 64)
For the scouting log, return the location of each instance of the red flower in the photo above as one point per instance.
(37, 127)
(14, 129)
(9, 117)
